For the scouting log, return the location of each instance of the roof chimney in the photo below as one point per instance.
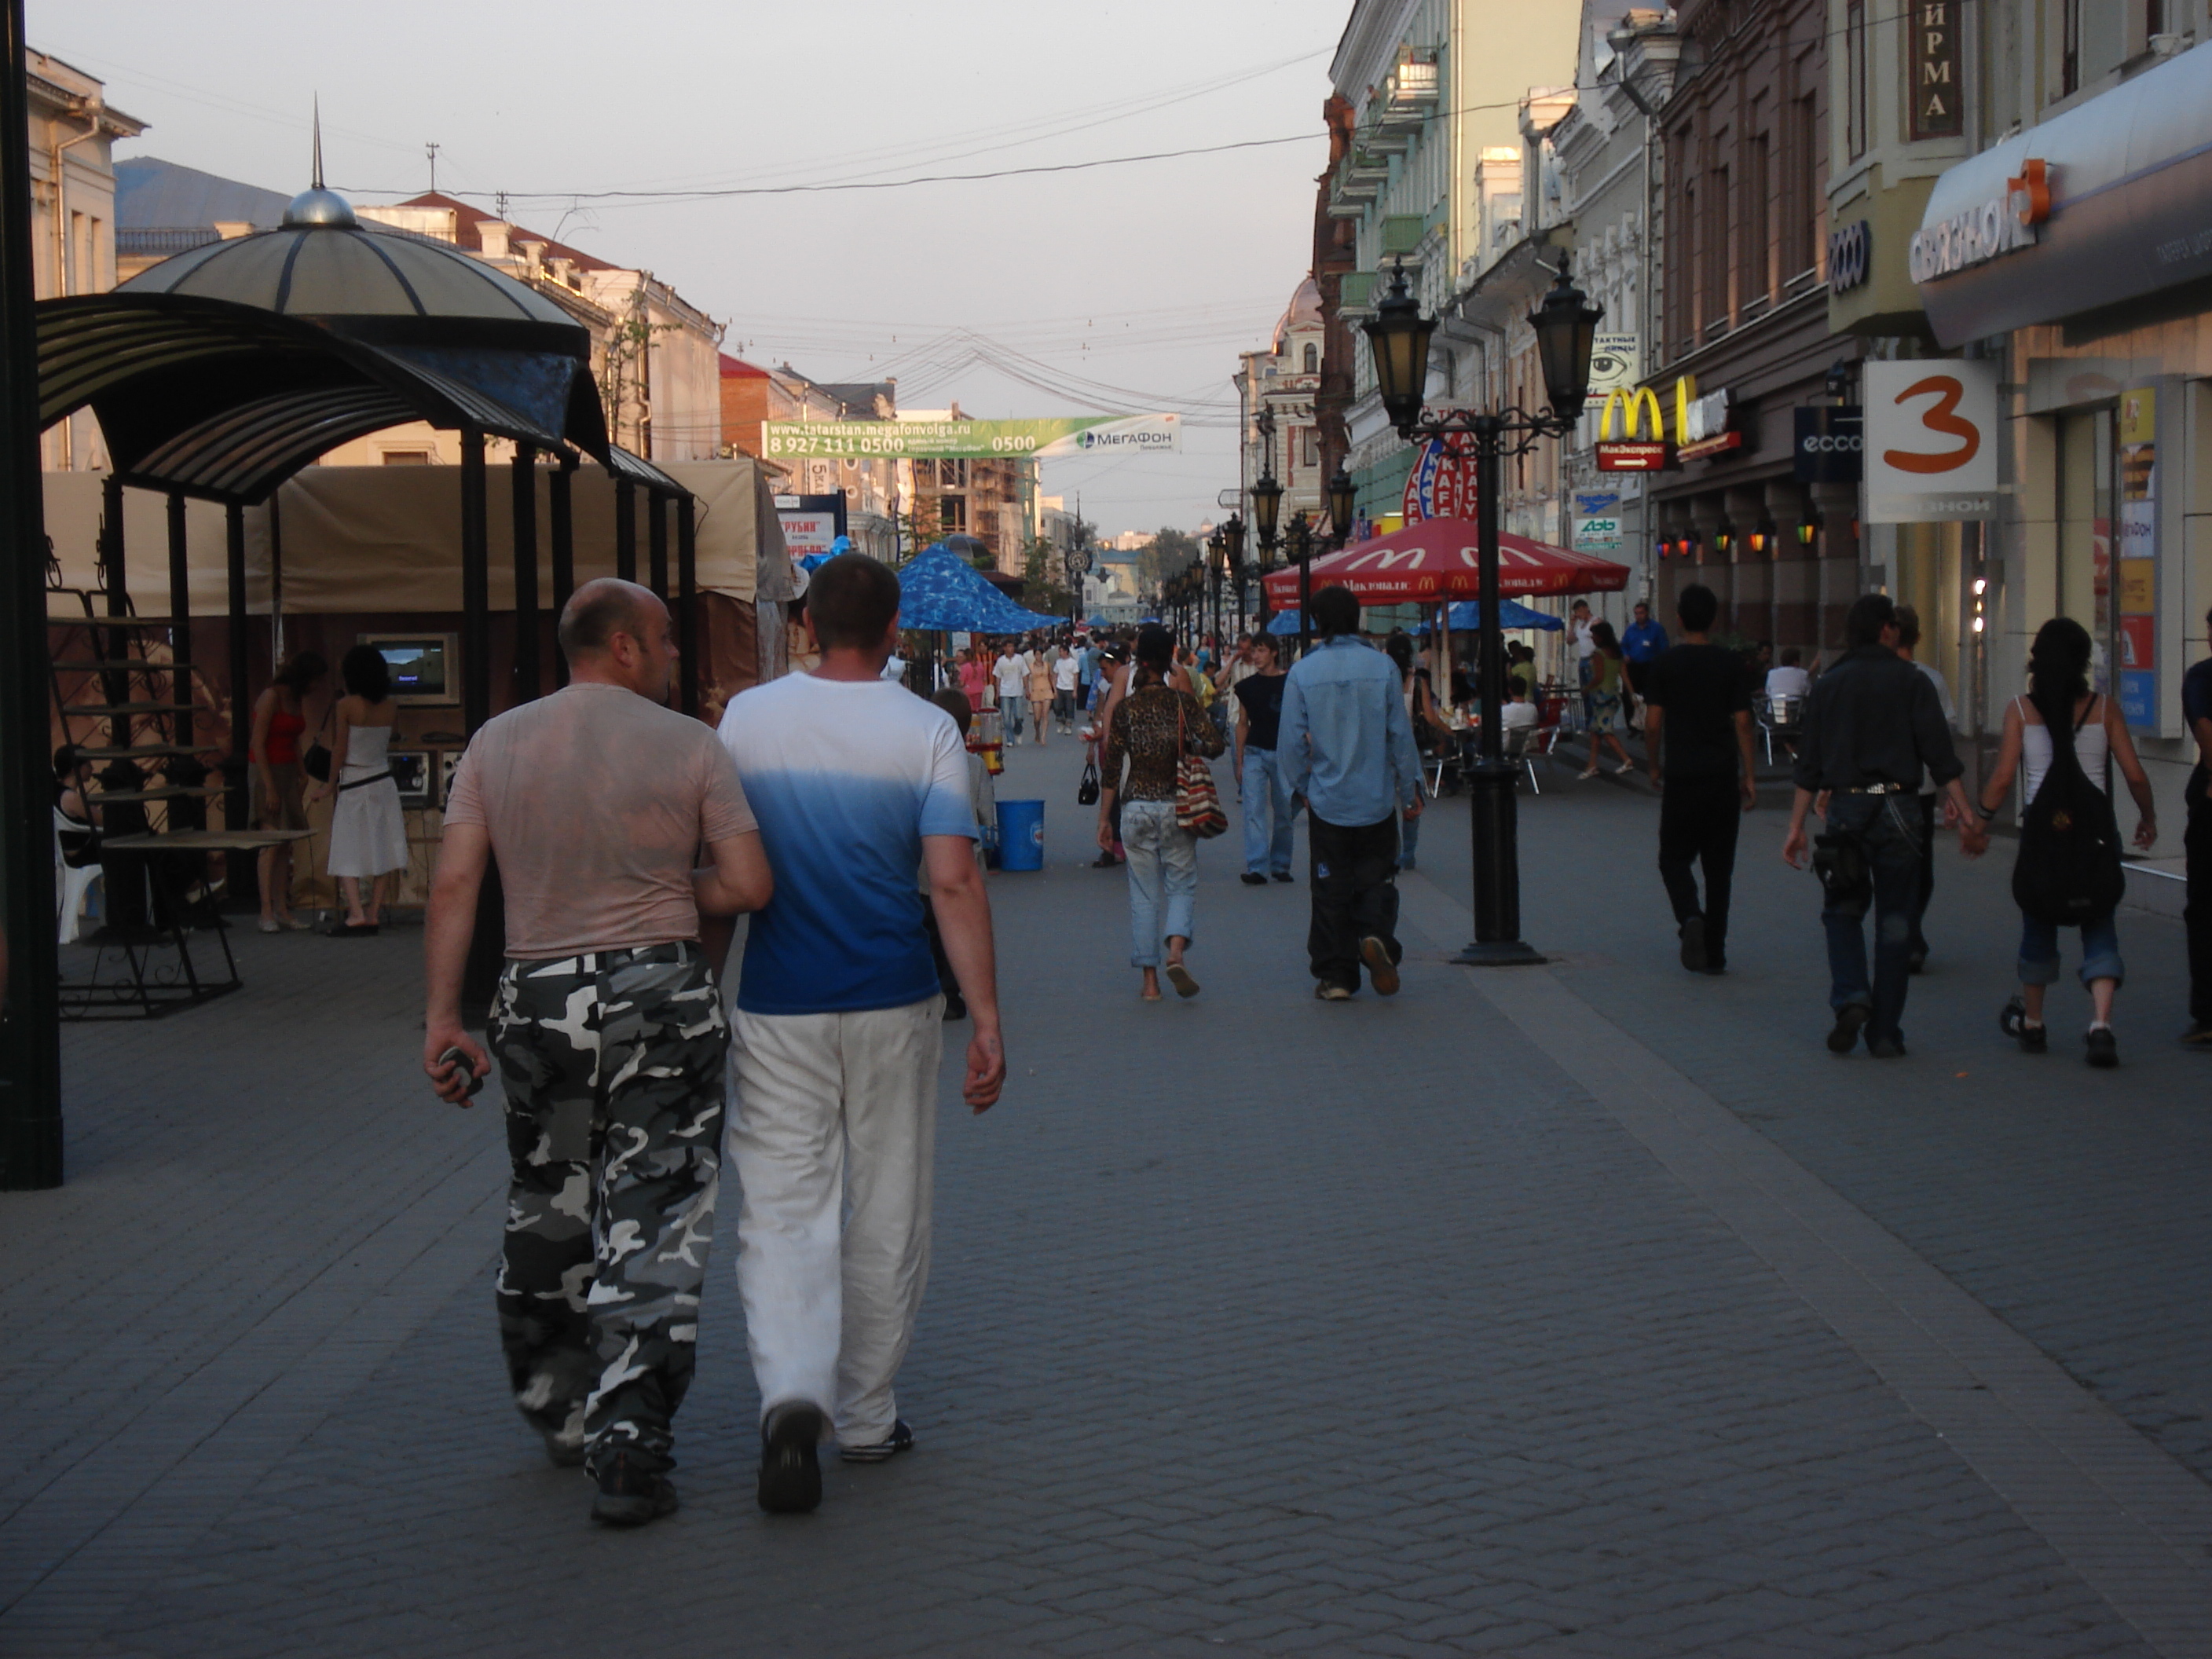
(533, 251)
(492, 235)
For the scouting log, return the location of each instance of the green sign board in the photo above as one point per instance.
(979, 441)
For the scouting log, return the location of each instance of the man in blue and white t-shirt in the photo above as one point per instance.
(837, 1027)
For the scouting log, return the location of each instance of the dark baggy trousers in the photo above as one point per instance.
(2196, 912)
(612, 1063)
(1355, 894)
(1889, 825)
(1698, 818)
(1927, 888)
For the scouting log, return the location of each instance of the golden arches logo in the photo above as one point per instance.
(1632, 405)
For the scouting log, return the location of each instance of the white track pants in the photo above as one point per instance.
(832, 1133)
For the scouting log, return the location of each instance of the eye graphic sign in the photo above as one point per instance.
(1931, 440)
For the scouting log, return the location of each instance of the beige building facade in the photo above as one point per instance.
(73, 130)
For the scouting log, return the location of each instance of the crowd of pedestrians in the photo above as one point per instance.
(841, 812)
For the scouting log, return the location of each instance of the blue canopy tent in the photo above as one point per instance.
(939, 593)
(1466, 616)
(1284, 622)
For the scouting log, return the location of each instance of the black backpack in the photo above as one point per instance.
(2068, 869)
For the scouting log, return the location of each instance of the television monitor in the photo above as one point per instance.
(425, 667)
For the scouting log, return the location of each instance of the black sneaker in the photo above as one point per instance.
(1845, 1035)
(1885, 1047)
(1252, 878)
(1284, 875)
(1104, 861)
(1693, 944)
(901, 1440)
(2103, 1048)
(2012, 1020)
(2198, 1037)
(790, 1476)
(631, 1497)
(1328, 992)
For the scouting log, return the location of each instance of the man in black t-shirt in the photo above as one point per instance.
(1697, 713)
(1262, 786)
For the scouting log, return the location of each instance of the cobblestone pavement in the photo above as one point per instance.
(1256, 1326)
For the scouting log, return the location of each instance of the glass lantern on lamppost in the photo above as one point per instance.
(1216, 558)
(1398, 335)
(1343, 503)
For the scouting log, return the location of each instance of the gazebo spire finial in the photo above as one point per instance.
(317, 182)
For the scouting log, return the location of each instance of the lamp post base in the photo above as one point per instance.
(1508, 953)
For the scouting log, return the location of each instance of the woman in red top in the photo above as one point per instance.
(975, 677)
(279, 720)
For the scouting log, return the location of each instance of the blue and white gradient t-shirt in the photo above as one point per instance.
(846, 777)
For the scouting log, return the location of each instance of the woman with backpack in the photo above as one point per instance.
(2065, 736)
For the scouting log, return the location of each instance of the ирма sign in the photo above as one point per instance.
(982, 441)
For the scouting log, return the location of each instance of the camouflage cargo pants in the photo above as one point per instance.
(612, 1063)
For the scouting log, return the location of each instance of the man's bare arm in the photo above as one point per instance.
(448, 925)
(964, 921)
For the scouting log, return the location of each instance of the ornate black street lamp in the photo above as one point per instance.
(1217, 558)
(1398, 335)
(1266, 509)
(1301, 543)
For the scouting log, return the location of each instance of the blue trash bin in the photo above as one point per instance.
(1021, 834)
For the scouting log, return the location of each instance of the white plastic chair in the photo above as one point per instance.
(1518, 740)
(72, 883)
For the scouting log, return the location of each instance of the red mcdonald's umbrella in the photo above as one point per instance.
(1436, 560)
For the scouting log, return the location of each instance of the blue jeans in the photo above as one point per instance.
(1163, 878)
(1409, 840)
(1266, 800)
(1889, 826)
(2100, 950)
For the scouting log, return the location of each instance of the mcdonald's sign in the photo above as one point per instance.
(1633, 403)
(1639, 413)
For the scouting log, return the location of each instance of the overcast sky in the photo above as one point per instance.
(1147, 278)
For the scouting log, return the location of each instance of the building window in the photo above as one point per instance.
(952, 514)
(1855, 72)
(1312, 358)
(1309, 443)
(1808, 209)
(1757, 244)
(2093, 41)
(1719, 304)
(407, 458)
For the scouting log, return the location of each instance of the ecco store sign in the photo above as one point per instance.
(1850, 256)
(2003, 224)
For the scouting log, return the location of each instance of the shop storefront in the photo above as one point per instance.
(2078, 252)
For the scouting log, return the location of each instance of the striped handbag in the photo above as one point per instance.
(1198, 804)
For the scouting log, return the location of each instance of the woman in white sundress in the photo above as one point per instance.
(368, 835)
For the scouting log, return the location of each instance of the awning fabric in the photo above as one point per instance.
(939, 593)
(1435, 559)
(1466, 616)
(387, 538)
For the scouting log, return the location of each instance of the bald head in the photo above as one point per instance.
(602, 608)
(616, 633)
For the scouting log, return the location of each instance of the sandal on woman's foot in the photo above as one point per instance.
(1179, 976)
(1588, 772)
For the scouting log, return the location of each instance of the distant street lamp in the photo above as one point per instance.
(1302, 551)
(1398, 337)
(1232, 547)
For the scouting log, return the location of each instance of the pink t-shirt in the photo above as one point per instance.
(598, 802)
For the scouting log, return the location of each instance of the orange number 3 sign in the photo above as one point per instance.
(1942, 417)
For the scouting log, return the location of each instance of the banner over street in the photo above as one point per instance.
(981, 441)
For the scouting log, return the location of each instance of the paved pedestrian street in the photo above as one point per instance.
(1589, 1310)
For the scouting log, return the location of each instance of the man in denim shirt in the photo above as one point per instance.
(1872, 724)
(1346, 746)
